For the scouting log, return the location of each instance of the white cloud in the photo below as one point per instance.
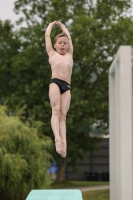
(6, 10)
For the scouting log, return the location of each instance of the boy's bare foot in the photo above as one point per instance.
(64, 152)
(59, 146)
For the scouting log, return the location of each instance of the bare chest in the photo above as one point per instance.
(58, 60)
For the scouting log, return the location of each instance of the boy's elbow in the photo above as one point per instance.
(47, 35)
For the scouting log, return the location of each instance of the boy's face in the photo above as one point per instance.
(61, 45)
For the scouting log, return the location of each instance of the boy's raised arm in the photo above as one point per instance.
(48, 42)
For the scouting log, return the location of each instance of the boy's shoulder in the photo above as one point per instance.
(52, 53)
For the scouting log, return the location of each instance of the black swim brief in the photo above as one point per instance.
(63, 85)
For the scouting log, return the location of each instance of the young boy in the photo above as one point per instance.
(61, 62)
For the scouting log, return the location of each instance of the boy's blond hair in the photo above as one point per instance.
(60, 35)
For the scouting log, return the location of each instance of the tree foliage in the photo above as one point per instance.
(97, 30)
(24, 157)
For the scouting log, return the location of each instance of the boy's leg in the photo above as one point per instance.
(64, 107)
(54, 95)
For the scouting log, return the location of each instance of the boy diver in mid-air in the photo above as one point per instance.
(61, 62)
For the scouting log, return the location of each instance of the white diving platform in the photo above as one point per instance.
(55, 194)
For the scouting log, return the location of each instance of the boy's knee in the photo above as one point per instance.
(56, 111)
(63, 116)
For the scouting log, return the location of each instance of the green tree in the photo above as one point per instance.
(9, 46)
(24, 157)
(97, 30)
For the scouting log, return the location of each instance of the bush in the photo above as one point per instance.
(24, 157)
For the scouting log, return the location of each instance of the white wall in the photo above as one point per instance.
(120, 122)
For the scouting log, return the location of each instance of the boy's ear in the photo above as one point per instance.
(54, 45)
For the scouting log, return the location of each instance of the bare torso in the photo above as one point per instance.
(61, 66)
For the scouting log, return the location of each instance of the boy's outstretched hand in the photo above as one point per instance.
(57, 23)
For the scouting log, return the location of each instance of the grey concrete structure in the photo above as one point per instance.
(95, 166)
(121, 129)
